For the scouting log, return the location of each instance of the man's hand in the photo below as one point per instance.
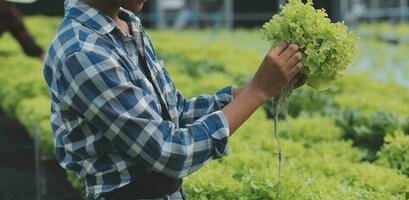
(279, 66)
(301, 80)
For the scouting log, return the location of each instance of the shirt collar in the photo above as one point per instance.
(95, 19)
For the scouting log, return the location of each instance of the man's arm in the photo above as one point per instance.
(238, 90)
(194, 108)
(279, 66)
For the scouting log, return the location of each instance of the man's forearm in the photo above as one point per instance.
(242, 107)
(238, 90)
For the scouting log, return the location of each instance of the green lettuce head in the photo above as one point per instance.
(328, 48)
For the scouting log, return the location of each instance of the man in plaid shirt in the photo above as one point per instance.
(118, 120)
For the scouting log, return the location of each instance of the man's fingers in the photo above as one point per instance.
(301, 80)
(289, 52)
(279, 49)
(294, 59)
(295, 70)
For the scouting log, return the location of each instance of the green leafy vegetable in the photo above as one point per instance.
(328, 48)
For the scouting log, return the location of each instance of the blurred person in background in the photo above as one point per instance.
(11, 20)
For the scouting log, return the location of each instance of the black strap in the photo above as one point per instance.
(147, 186)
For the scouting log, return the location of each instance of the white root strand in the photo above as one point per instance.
(280, 106)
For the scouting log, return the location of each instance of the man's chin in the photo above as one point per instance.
(135, 8)
(134, 5)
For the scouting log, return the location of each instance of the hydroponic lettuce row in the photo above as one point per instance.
(328, 48)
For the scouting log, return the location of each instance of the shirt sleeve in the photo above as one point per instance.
(99, 90)
(192, 109)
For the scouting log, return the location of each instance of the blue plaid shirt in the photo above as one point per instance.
(106, 117)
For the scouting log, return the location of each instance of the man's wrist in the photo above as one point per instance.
(254, 96)
(238, 90)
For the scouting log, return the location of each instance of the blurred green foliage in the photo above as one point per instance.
(395, 153)
(399, 29)
(368, 131)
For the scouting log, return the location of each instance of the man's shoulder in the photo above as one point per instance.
(73, 37)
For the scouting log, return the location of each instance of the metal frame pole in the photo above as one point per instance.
(41, 188)
(374, 4)
(229, 13)
(196, 13)
(403, 6)
(343, 9)
(160, 15)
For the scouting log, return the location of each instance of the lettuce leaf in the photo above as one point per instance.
(328, 48)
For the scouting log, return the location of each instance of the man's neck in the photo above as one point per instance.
(108, 7)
